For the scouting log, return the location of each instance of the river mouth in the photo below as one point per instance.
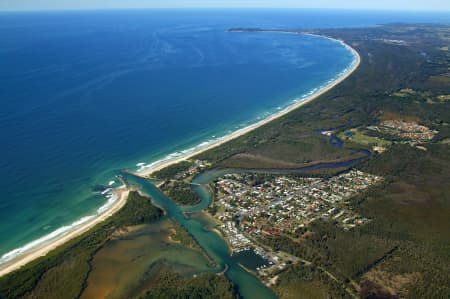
(240, 267)
(201, 228)
(153, 52)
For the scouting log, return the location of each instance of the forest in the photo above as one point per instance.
(403, 251)
(180, 192)
(173, 286)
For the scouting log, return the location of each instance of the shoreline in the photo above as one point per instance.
(145, 172)
(24, 256)
(35, 252)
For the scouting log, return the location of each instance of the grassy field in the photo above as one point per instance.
(359, 138)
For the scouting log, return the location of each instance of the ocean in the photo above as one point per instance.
(85, 94)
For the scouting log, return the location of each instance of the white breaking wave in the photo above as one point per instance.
(60, 231)
(57, 233)
(142, 166)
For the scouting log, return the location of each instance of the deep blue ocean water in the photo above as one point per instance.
(85, 94)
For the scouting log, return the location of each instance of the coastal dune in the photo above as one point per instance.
(121, 194)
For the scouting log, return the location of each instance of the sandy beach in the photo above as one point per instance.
(44, 248)
(146, 172)
(122, 193)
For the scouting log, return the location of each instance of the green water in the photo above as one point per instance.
(124, 267)
(250, 260)
(200, 228)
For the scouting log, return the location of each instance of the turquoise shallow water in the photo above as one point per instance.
(85, 94)
(200, 228)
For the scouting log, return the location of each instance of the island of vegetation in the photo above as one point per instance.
(173, 286)
(347, 197)
(175, 181)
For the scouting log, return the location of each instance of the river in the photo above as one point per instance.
(201, 227)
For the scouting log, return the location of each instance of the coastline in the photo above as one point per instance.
(39, 249)
(146, 172)
(44, 248)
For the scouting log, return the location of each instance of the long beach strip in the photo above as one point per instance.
(146, 172)
(122, 193)
(45, 247)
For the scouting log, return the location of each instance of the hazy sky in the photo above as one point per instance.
(437, 5)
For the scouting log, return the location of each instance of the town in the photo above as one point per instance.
(195, 168)
(250, 207)
(408, 130)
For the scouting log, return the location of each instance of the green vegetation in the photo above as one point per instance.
(344, 253)
(404, 248)
(417, 215)
(280, 144)
(172, 286)
(403, 251)
(128, 264)
(409, 93)
(63, 272)
(293, 141)
(137, 210)
(425, 96)
(444, 97)
(407, 240)
(406, 92)
(308, 281)
(360, 138)
(172, 170)
(180, 192)
(183, 237)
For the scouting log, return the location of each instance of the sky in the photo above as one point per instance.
(419, 5)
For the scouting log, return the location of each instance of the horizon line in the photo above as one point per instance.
(226, 8)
